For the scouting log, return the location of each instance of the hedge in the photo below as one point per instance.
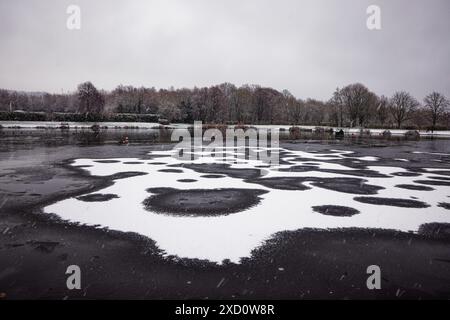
(77, 117)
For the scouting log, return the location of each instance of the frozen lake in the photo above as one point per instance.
(136, 220)
(222, 208)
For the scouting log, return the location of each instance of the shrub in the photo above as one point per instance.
(386, 134)
(412, 135)
(294, 133)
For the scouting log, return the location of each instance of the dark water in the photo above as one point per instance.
(58, 137)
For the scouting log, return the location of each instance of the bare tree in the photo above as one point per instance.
(293, 108)
(265, 100)
(337, 106)
(382, 110)
(401, 106)
(353, 105)
(5, 100)
(316, 111)
(199, 101)
(169, 111)
(436, 104)
(215, 105)
(359, 101)
(90, 100)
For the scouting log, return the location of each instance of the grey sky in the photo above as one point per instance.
(308, 47)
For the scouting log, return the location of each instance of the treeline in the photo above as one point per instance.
(352, 106)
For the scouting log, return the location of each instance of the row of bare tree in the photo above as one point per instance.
(355, 105)
(352, 106)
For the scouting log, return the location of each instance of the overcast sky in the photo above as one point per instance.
(307, 47)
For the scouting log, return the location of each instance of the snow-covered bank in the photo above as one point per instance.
(155, 125)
